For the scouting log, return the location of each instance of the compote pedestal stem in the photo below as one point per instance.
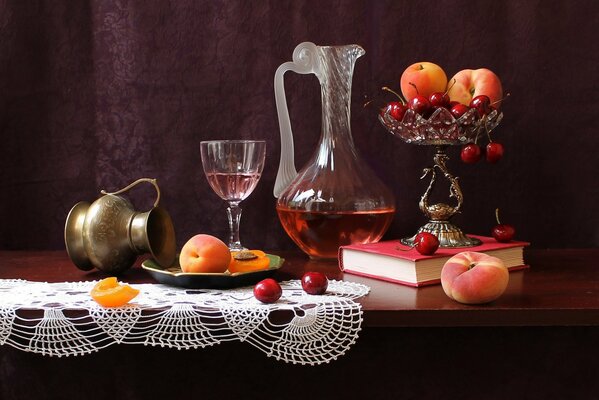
(449, 235)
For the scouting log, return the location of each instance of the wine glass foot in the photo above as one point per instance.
(237, 247)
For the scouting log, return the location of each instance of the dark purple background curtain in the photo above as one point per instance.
(95, 94)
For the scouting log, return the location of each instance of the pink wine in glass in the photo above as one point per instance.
(319, 234)
(233, 186)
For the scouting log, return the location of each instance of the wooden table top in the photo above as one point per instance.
(561, 288)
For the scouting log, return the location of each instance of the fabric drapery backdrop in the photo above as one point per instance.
(95, 94)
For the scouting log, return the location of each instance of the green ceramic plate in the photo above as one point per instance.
(175, 277)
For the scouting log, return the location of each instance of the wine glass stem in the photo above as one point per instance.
(234, 214)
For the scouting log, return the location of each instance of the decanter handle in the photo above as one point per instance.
(305, 61)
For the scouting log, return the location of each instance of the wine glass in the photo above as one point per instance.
(233, 169)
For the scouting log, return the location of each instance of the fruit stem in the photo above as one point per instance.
(450, 86)
(487, 130)
(477, 135)
(408, 249)
(497, 216)
(500, 100)
(395, 93)
(415, 87)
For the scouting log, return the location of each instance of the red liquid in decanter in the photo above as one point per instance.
(319, 234)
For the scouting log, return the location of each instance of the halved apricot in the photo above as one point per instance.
(109, 293)
(240, 263)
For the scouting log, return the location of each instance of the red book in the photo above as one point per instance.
(384, 261)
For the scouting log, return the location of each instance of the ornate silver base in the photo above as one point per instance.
(449, 235)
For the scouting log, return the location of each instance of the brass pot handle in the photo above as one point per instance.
(150, 180)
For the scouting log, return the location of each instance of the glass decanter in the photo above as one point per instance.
(335, 199)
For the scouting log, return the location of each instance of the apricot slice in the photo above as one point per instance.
(242, 263)
(109, 293)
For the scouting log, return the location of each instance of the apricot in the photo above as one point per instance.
(258, 261)
(204, 254)
(422, 78)
(109, 293)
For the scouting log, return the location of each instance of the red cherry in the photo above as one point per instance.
(482, 103)
(458, 110)
(267, 291)
(494, 152)
(439, 99)
(470, 153)
(315, 282)
(502, 232)
(426, 243)
(451, 104)
(395, 109)
(420, 104)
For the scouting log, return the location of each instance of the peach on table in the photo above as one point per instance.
(474, 278)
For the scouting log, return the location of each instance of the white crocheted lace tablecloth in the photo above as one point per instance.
(315, 329)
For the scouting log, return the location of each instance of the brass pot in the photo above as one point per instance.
(109, 234)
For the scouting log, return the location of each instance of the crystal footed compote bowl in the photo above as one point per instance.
(441, 130)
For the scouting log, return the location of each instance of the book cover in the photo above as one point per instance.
(397, 263)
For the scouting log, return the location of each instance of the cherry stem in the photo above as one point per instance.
(395, 93)
(408, 249)
(500, 100)
(497, 216)
(450, 86)
(417, 92)
(487, 131)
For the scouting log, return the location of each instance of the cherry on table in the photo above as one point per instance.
(315, 283)
(470, 153)
(268, 291)
(426, 243)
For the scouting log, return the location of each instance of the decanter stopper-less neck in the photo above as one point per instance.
(335, 76)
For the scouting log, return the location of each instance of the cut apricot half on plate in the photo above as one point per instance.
(109, 293)
(248, 261)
